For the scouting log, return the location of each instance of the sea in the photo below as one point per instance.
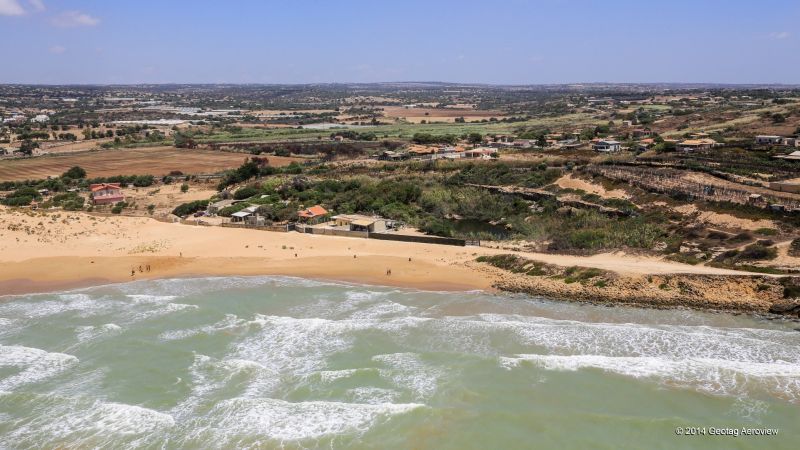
(281, 362)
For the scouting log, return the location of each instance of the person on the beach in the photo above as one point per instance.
(133, 272)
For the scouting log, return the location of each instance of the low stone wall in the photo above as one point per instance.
(275, 228)
(785, 187)
(342, 233)
(420, 239)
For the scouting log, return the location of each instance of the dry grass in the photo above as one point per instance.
(156, 161)
(417, 115)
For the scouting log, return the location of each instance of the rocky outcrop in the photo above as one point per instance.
(732, 293)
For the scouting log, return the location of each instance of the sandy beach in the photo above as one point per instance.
(42, 251)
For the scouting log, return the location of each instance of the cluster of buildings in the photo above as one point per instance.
(791, 141)
(314, 216)
(427, 152)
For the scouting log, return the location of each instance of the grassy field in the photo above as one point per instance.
(576, 121)
(151, 161)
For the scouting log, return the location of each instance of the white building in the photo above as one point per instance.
(41, 118)
(606, 146)
(777, 140)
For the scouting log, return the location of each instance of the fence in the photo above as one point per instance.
(420, 239)
(277, 228)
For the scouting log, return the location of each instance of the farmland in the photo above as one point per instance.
(156, 161)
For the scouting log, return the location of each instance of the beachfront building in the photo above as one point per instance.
(106, 193)
(357, 222)
(606, 146)
(313, 215)
(246, 215)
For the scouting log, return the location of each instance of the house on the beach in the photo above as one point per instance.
(313, 215)
(247, 215)
(358, 222)
(106, 193)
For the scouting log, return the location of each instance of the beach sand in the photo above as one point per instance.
(45, 251)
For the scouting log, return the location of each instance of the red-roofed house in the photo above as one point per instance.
(106, 193)
(314, 214)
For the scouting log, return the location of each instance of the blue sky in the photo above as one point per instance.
(305, 41)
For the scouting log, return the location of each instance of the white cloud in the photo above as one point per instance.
(37, 5)
(74, 19)
(57, 49)
(779, 34)
(11, 8)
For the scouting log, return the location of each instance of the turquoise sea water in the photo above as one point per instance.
(273, 362)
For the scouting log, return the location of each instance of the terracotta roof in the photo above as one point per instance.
(698, 142)
(313, 211)
(101, 186)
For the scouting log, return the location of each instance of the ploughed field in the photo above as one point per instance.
(156, 161)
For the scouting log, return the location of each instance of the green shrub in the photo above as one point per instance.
(766, 231)
(75, 172)
(185, 209)
(246, 192)
(757, 252)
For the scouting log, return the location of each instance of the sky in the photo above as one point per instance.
(326, 41)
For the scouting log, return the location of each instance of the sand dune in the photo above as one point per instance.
(41, 251)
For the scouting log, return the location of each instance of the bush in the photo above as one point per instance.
(243, 173)
(794, 247)
(23, 200)
(246, 192)
(75, 172)
(22, 197)
(116, 210)
(185, 209)
(184, 188)
(766, 231)
(757, 252)
(143, 180)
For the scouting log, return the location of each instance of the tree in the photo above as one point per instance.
(184, 141)
(541, 141)
(474, 138)
(184, 188)
(778, 118)
(27, 147)
(75, 172)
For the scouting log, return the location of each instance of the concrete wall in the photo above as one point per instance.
(343, 233)
(278, 228)
(420, 239)
(785, 187)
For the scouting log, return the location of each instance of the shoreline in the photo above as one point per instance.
(52, 251)
(20, 278)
